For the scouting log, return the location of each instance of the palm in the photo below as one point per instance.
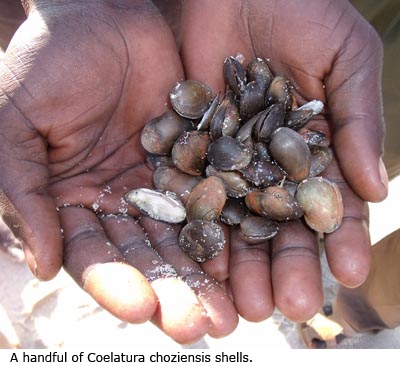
(330, 53)
(90, 83)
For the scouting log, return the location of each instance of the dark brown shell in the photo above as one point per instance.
(191, 98)
(280, 92)
(225, 121)
(256, 229)
(268, 121)
(262, 173)
(206, 200)
(252, 100)
(168, 178)
(291, 152)
(234, 212)
(158, 135)
(234, 74)
(154, 161)
(296, 119)
(227, 153)
(190, 150)
(235, 183)
(201, 240)
(275, 203)
(321, 157)
(258, 71)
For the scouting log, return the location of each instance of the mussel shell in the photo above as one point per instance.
(252, 100)
(205, 121)
(167, 178)
(262, 173)
(201, 240)
(154, 161)
(234, 74)
(259, 71)
(206, 200)
(261, 152)
(236, 185)
(268, 121)
(313, 137)
(246, 130)
(234, 212)
(256, 229)
(190, 150)
(280, 92)
(275, 203)
(163, 206)
(228, 153)
(322, 204)
(291, 152)
(296, 119)
(225, 121)
(159, 135)
(191, 98)
(321, 157)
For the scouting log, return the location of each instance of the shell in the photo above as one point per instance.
(225, 121)
(252, 100)
(322, 204)
(259, 71)
(168, 178)
(190, 150)
(201, 240)
(291, 152)
(280, 92)
(158, 205)
(262, 173)
(234, 74)
(227, 153)
(158, 135)
(234, 212)
(275, 203)
(321, 157)
(206, 200)
(191, 98)
(235, 183)
(268, 121)
(257, 230)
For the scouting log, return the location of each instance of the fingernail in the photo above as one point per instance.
(31, 262)
(383, 175)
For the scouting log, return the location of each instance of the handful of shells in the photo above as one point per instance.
(245, 158)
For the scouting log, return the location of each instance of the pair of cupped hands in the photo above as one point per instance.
(79, 82)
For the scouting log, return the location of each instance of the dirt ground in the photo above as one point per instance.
(58, 314)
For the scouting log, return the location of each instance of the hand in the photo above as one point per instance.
(330, 53)
(79, 81)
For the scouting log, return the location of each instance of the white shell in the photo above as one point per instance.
(158, 205)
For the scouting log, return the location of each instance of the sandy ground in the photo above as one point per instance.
(58, 314)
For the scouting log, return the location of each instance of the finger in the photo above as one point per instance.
(203, 53)
(296, 271)
(250, 279)
(348, 248)
(98, 267)
(354, 97)
(219, 315)
(179, 314)
(218, 267)
(25, 205)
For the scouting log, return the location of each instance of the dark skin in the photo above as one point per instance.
(77, 86)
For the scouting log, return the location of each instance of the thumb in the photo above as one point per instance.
(25, 205)
(211, 31)
(354, 98)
